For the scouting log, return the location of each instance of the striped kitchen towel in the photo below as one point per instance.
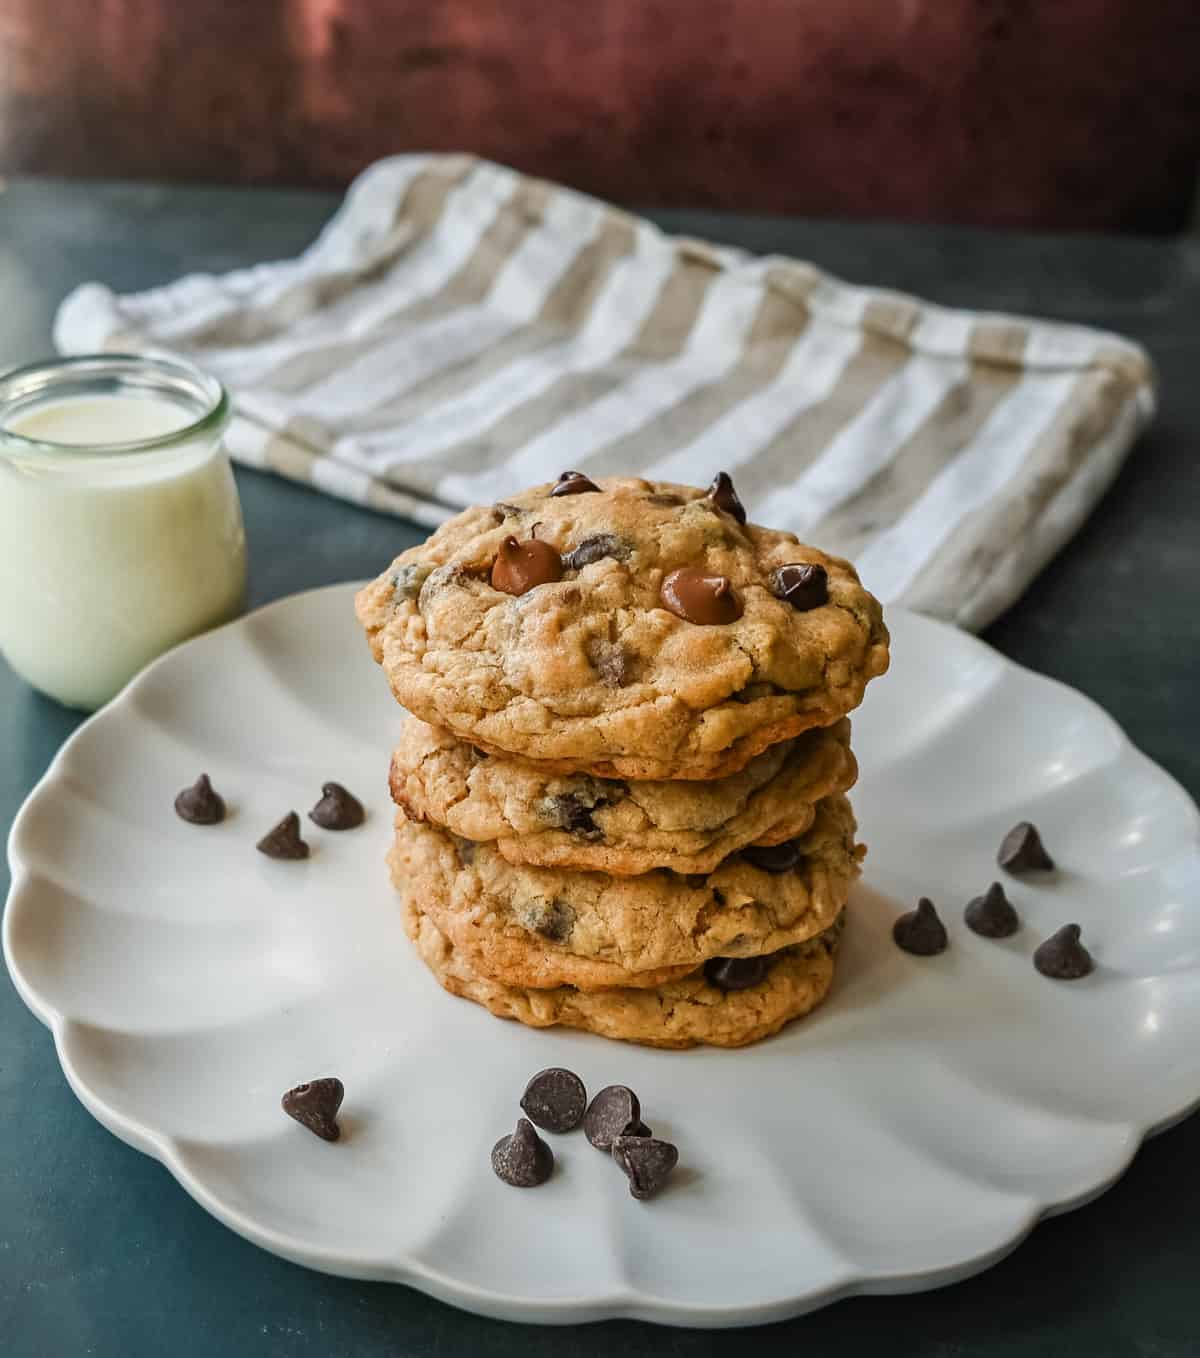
(459, 330)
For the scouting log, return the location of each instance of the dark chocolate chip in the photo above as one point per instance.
(722, 494)
(647, 1163)
(572, 812)
(574, 483)
(315, 1105)
(1022, 850)
(1063, 957)
(613, 663)
(551, 919)
(800, 584)
(596, 548)
(610, 1115)
(283, 841)
(507, 511)
(337, 809)
(920, 931)
(407, 580)
(522, 1159)
(696, 596)
(775, 858)
(522, 565)
(992, 915)
(199, 804)
(555, 1099)
(736, 973)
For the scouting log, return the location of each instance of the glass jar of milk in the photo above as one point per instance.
(120, 527)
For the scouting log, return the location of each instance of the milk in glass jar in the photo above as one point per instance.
(120, 528)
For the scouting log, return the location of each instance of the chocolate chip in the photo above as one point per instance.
(574, 483)
(696, 596)
(283, 841)
(611, 1114)
(507, 511)
(337, 809)
(407, 580)
(596, 548)
(992, 915)
(1022, 850)
(572, 811)
(613, 663)
(199, 804)
(555, 1099)
(464, 850)
(522, 1159)
(315, 1105)
(800, 584)
(647, 1163)
(522, 565)
(722, 494)
(920, 931)
(736, 973)
(775, 858)
(666, 500)
(1063, 957)
(638, 1128)
(552, 919)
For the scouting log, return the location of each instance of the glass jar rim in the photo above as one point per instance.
(39, 378)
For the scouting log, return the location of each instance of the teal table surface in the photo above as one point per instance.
(101, 1253)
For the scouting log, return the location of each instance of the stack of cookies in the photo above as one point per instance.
(622, 783)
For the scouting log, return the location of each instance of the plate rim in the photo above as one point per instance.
(630, 1303)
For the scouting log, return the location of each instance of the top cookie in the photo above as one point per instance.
(625, 628)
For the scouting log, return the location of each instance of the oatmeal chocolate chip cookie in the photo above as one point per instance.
(686, 1012)
(545, 927)
(648, 634)
(577, 821)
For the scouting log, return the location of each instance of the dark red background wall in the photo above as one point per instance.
(1054, 112)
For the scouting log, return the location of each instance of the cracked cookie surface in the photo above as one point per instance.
(579, 821)
(686, 1012)
(589, 669)
(546, 927)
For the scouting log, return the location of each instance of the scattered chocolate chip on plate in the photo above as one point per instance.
(337, 809)
(920, 931)
(315, 1105)
(1062, 957)
(522, 1159)
(555, 1100)
(199, 804)
(283, 840)
(611, 1114)
(1022, 850)
(647, 1163)
(992, 915)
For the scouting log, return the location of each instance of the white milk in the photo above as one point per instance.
(109, 557)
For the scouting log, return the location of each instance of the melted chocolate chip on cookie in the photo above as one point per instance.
(736, 973)
(613, 663)
(551, 919)
(722, 494)
(773, 858)
(801, 584)
(696, 596)
(521, 566)
(574, 483)
(199, 804)
(596, 548)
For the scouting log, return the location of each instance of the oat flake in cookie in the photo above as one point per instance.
(588, 670)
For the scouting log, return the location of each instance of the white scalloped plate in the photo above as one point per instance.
(909, 1133)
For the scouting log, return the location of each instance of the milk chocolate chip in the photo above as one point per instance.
(696, 596)
(722, 494)
(522, 565)
(800, 584)
(574, 483)
(199, 804)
